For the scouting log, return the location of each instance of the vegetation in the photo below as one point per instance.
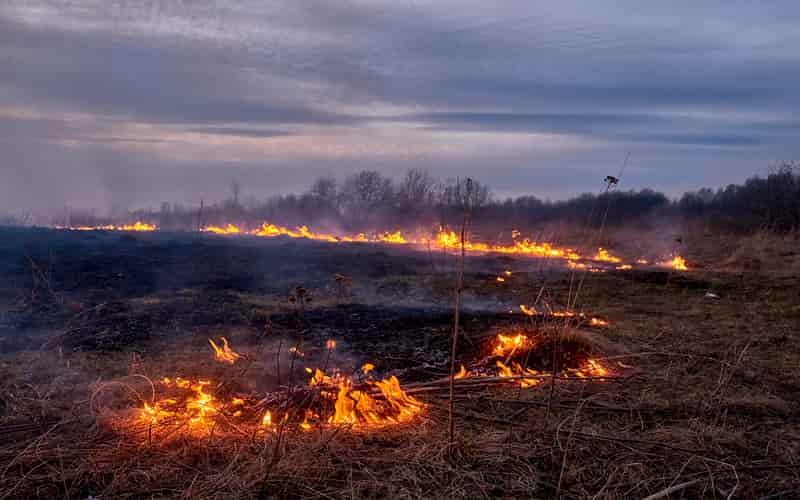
(369, 201)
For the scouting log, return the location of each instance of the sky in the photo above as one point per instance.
(118, 104)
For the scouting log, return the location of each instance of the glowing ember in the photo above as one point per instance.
(330, 344)
(500, 279)
(224, 354)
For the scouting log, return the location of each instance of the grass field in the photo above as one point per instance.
(699, 395)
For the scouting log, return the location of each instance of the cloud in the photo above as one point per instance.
(538, 97)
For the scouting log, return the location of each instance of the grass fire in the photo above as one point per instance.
(399, 250)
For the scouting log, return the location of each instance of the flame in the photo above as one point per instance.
(197, 408)
(395, 237)
(528, 311)
(643, 262)
(598, 322)
(443, 239)
(516, 370)
(500, 279)
(462, 373)
(228, 229)
(603, 256)
(224, 354)
(136, 226)
(368, 367)
(592, 368)
(330, 344)
(506, 345)
(677, 263)
(624, 267)
(266, 421)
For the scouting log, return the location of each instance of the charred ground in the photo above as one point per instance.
(705, 388)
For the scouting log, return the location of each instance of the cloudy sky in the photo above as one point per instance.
(118, 103)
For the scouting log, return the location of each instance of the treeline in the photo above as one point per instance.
(761, 203)
(368, 201)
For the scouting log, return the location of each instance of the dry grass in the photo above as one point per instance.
(712, 411)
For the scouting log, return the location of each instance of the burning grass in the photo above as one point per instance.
(675, 390)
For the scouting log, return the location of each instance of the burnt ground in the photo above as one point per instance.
(705, 392)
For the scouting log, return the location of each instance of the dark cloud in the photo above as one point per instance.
(122, 104)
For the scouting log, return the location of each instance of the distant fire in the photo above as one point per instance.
(677, 263)
(446, 240)
(136, 226)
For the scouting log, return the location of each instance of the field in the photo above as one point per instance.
(690, 390)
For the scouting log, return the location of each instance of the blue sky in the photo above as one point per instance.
(129, 103)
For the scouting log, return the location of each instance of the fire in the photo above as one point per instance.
(228, 229)
(330, 344)
(266, 420)
(136, 226)
(500, 279)
(507, 345)
(516, 370)
(395, 237)
(598, 322)
(624, 267)
(224, 354)
(462, 373)
(592, 368)
(450, 240)
(357, 407)
(443, 239)
(677, 263)
(271, 230)
(603, 256)
(528, 311)
(196, 409)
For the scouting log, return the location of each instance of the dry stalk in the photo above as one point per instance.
(456, 312)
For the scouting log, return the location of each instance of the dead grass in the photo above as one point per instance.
(712, 409)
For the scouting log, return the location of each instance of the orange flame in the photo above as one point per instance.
(506, 345)
(677, 263)
(136, 226)
(224, 354)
